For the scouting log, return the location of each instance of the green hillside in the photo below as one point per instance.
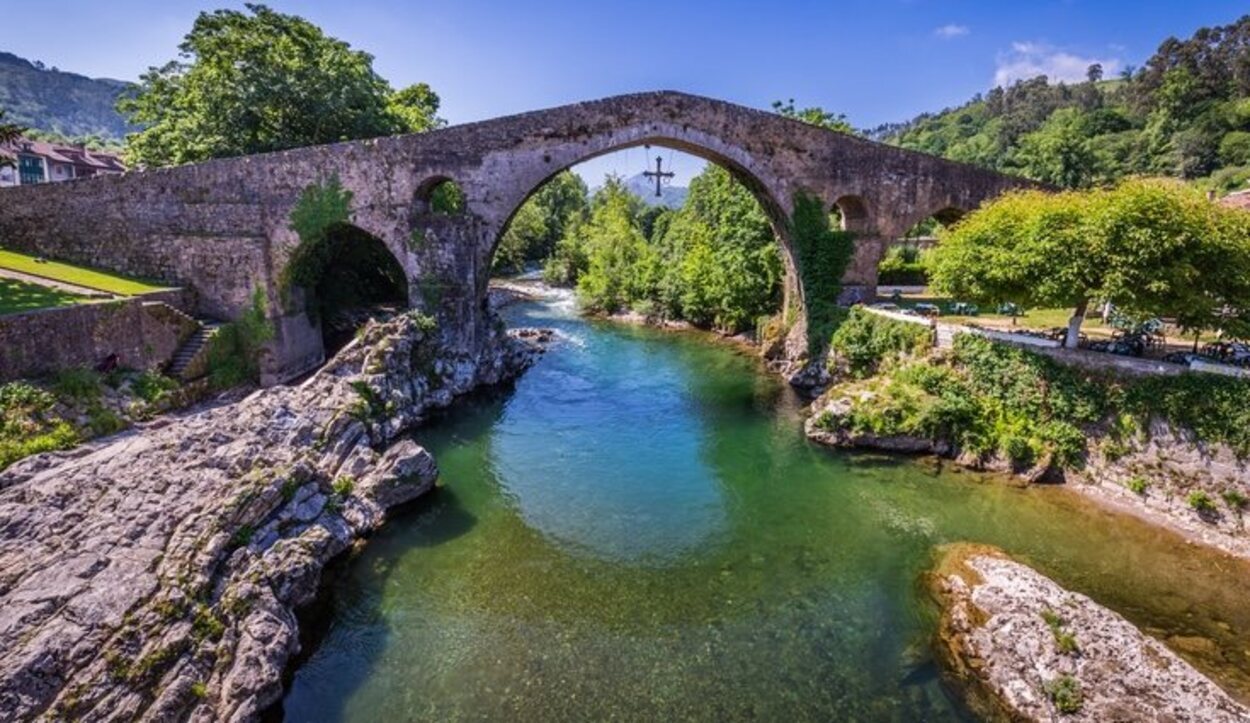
(60, 103)
(1185, 113)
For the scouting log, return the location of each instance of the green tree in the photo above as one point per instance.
(415, 109)
(525, 231)
(1152, 248)
(1060, 151)
(535, 230)
(257, 81)
(615, 250)
(814, 115)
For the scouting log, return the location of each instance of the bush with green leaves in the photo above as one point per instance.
(1065, 693)
(903, 266)
(864, 340)
(28, 424)
(234, 351)
(984, 398)
(1201, 502)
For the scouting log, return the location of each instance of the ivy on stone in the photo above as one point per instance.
(320, 207)
(822, 255)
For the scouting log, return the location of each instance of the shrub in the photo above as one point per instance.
(1201, 502)
(15, 395)
(234, 351)
(344, 485)
(866, 340)
(1065, 693)
(61, 435)
(1137, 484)
(153, 387)
(1065, 641)
(903, 266)
(1235, 499)
(81, 385)
(1214, 408)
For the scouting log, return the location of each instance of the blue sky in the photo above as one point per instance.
(876, 61)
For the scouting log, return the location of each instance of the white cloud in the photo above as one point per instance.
(1030, 59)
(951, 30)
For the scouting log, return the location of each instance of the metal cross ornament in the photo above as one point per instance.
(659, 175)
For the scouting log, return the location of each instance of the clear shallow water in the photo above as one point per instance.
(639, 531)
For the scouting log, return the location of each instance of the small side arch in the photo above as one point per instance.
(439, 194)
(358, 276)
(853, 214)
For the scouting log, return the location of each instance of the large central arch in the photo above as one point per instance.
(713, 150)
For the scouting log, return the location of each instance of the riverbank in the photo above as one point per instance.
(1020, 647)
(505, 292)
(155, 575)
(1170, 450)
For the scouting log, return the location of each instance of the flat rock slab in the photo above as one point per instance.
(1021, 648)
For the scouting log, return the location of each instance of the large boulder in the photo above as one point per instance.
(1020, 647)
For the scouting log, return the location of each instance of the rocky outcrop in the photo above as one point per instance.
(154, 575)
(828, 427)
(1167, 476)
(1020, 647)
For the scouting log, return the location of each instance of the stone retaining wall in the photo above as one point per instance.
(144, 334)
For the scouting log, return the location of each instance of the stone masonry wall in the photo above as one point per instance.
(222, 228)
(144, 334)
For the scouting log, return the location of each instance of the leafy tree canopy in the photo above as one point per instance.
(1186, 113)
(257, 81)
(815, 115)
(1151, 247)
(713, 262)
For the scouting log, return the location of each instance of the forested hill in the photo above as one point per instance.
(56, 102)
(1185, 113)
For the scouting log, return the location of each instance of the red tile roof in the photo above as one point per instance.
(61, 153)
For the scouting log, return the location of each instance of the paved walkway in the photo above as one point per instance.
(58, 285)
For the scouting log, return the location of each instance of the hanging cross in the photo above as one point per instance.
(659, 176)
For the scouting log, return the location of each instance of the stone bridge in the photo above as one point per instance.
(223, 228)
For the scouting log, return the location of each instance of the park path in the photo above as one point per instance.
(53, 284)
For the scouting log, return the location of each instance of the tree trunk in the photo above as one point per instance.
(1074, 325)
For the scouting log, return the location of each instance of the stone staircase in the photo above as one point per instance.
(184, 366)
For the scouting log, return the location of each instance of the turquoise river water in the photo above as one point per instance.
(640, 531)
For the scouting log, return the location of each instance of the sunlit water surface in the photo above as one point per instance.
(640, 531)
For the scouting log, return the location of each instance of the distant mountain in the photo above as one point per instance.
(644, 188)
(54, 101)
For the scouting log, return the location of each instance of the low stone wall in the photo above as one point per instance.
(144, 334)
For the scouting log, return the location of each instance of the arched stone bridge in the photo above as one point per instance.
(223, 227)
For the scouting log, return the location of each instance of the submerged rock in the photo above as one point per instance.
(1020, 647)
(155, 576)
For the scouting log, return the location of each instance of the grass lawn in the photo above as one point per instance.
(18, 296)
(57, 271)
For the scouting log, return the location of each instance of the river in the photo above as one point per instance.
(640, 531)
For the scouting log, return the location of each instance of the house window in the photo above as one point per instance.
(30, 169)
